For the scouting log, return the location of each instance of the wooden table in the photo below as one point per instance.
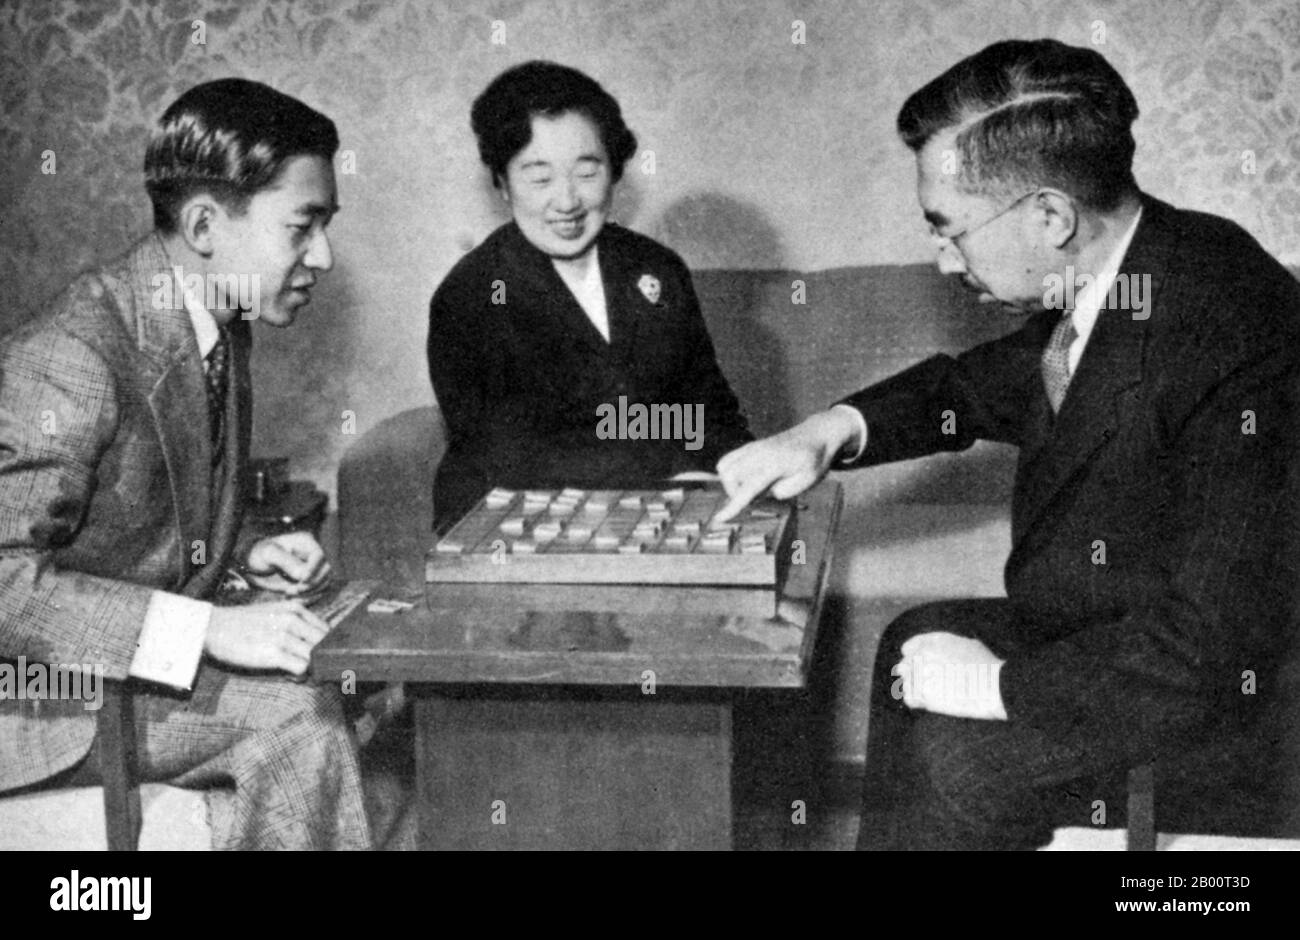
(582, 728)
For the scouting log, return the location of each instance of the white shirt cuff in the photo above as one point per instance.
(995, 705)
(862, 433)
(171, 640)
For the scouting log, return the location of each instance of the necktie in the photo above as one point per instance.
(1056, 360)
(218, 381)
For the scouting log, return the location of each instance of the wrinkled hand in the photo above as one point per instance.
(786, 463)
(949, 675)
(276, 635)
(289, 564)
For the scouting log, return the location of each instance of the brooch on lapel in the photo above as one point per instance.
(649, 287)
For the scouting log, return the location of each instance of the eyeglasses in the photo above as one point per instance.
(945, 241)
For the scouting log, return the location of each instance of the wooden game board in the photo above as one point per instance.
(642, 536)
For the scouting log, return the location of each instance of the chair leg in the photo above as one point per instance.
(1142, 809)
(116, 732)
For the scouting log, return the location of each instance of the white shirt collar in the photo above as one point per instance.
(1092, 297)
(206, 330)
(589, 290)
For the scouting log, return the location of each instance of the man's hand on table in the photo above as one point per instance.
(277, 634)
(950, 675)
(785, 464)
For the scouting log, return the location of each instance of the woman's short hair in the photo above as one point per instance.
(502, 115)
(1032, 113)
(229, 138)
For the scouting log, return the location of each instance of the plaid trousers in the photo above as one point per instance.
(283, 746)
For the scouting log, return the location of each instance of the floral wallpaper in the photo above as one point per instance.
(771, 125)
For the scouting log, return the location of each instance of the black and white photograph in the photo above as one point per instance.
(580, 426)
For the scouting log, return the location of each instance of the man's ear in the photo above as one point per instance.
(1058, 216)
(196, 218)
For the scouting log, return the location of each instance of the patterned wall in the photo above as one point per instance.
(767, 153)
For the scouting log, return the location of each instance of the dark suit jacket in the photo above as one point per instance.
(106, 484)
(519, 382)
(1147, 456)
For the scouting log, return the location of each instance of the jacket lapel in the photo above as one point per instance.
(165, 337)
(625, 303)
(559, 310)
(1108, 375)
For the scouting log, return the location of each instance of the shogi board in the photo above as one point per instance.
(631, 537)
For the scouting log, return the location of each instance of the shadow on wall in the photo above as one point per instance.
(712, 231)
(305, 379)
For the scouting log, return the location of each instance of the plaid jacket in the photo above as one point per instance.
(107, 487)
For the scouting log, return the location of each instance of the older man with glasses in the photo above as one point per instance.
(1153, 408)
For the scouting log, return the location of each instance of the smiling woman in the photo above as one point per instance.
(560, 314)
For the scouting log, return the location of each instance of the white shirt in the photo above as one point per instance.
(206, 331)
(1089, 301)
(589, 291)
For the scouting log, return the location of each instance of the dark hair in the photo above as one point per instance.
(1032, 113)
(502, 116)
(229, 138)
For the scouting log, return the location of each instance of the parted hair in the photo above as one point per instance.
(230, 139)
(1032, 113)
(501, 116)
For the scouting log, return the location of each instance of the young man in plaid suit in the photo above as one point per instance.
(125, 414)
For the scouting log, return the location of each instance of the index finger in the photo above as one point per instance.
(744, 494)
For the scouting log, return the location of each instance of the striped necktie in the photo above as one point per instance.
(1056, 360)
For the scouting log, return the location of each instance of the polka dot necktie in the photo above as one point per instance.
(218, 381)
(1056, 360)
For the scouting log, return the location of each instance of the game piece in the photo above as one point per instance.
(499, 498)
(547, 531)
(388, 606)
(716, 542)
